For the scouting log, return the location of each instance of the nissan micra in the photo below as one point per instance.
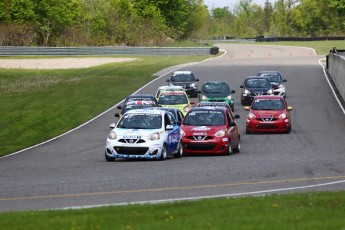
(145, 134)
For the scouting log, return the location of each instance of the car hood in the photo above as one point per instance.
(183, 84)
(191, 130)
(134, 133)
(258, 90)
(266, 114)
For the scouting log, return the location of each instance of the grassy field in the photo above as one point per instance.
(37, 105)
(294, 211)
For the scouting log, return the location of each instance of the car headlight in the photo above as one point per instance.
(182, 133)
(154, 136)
(220, 133)
(203, 97)
(282, 116)
(281, 86)
(251, 116)
(246, 91)
(270, 91)
(112, 135)
(192, 85)
(228, 97)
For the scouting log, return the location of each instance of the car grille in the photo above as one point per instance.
(131, 150)
(200, 138)
(200, 146)
(132, 141)
(216, 100)
(266, 126)
(262, 119)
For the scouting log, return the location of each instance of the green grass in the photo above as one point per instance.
(37, 105)
(293, 211)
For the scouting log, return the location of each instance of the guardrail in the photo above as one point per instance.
(104, 50)
(336, 69)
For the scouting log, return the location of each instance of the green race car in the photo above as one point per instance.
(217, 91)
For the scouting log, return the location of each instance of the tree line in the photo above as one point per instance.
(159, 22)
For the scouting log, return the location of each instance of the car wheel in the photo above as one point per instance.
(179, 151)
(163, 153)
(108, 158)
(238, 147)
(230, 149)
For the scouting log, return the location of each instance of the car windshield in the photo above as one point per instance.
(216, 89)
(257, 83)
(140, 121)
(268, 104)
(205, 118)
(173, 99)
(183, 78)
(272, 77)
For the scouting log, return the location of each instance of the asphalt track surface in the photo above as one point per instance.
(71, 172)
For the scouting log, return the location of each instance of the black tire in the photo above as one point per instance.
(164, 153)
(230, 151)
(238, 147)
(179, 152)
(109, 159)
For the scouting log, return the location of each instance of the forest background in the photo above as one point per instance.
(161, 22)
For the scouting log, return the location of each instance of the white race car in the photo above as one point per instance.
(146, 134)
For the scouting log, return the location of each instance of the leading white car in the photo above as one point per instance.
(145, 134)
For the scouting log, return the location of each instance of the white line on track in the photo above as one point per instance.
(208, 197)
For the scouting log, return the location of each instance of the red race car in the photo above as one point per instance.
(268, 113)
(207, 130)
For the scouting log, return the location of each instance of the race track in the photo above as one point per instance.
(71, 171)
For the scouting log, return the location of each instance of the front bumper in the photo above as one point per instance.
(279, 91)
(191, 92)
(133, 151)
(217, 146)
(281, 125)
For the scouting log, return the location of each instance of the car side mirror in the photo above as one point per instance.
(192, 102)
(246, 108)
(241, 86)
(232, 124)
(233, 91)
(284, 80)
(197, 79)
(289, 108)
(119, 107)
(117, 115)
(112, 125)
(167, 80)
(169, 127)
(237, 116)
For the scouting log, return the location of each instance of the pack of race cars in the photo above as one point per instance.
(165, 124)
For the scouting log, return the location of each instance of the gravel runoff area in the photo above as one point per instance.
(58, 63)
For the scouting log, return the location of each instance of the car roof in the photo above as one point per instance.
(140, 102)
(182, 72)
(219, 103)
(170, 87)
(146, 111)
(256, 77)
(269, 71)
(208, 108)
(172, 92)
(215, 81)
(269, 97)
